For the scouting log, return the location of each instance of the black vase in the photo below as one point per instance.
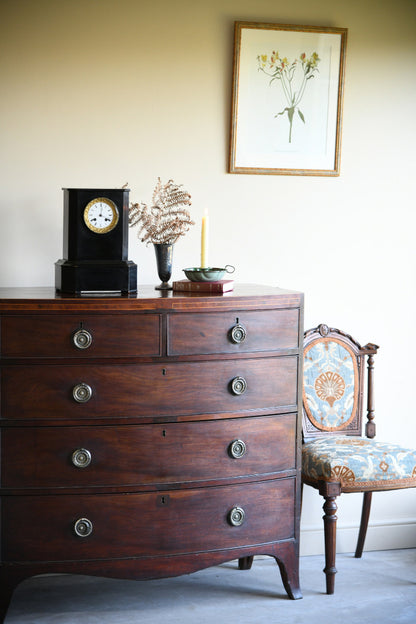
(164, 254)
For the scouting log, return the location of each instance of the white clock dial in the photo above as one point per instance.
(101, 215)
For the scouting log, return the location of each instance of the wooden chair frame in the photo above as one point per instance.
(330, 489)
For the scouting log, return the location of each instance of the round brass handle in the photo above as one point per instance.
(83, 527)
(237, 449)
(238, 385)
(81, 458)
(82, 393)
(237, 516)
(82, 339)
(238, 334)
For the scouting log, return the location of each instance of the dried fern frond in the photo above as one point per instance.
(167, 219)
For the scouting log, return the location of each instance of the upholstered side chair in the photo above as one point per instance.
(336, 458)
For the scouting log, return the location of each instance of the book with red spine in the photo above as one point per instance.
(220, 286)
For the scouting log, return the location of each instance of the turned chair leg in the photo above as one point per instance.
(330, 529)
(365, 514)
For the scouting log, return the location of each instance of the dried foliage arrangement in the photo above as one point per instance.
(167, 218)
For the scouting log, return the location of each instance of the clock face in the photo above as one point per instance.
(101, 215)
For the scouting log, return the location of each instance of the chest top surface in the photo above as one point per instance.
(244, 295)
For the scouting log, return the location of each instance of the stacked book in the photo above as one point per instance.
(219, 286)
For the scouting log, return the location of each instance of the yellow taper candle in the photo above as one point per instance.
(204, 241)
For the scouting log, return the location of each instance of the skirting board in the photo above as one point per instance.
(382, 536)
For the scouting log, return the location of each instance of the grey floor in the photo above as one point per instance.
(378, 589)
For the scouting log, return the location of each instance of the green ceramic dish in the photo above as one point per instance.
(210, 274)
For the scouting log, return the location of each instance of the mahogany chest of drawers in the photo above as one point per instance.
(148, 436)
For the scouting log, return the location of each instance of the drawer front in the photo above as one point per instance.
(39, 528)
(80, 336)
(46, 391)
(233, 332)
(147, 454)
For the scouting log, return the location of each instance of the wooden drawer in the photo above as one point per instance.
(147, 454)
(265, 330)
(53, 336)
(46, 391)
(39, 528)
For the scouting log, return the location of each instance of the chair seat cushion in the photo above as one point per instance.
(359, 463)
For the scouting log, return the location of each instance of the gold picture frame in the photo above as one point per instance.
(287, 99)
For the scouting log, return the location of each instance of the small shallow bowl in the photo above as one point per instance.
(209, 274)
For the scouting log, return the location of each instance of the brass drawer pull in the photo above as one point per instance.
(83, 527)
(82, 339)
(82, 393)
(238, 334)
(238, 385)
(237, 516)
(81, 458)
(237, 449)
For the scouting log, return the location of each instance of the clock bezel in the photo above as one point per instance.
(114, 210)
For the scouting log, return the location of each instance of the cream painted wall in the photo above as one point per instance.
(103, 92)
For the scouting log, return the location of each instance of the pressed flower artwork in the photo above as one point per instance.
(293, 77)
(287, 99)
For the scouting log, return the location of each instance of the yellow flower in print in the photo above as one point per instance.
(293, 87)
(262, 59)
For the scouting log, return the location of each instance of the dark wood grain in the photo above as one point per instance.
(139, 390)
(159, 426)
(148, 524)
(48, 335)
(169, 453)
(268, 330)
(244, 296)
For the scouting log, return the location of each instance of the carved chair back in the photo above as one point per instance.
(333, 384)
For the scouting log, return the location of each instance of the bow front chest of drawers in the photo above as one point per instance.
(149, 436)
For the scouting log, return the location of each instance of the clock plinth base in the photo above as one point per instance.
(76, 277)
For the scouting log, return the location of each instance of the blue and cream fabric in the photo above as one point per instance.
(359, 463)
(330, 384)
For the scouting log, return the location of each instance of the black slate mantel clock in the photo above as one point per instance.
(95, 247)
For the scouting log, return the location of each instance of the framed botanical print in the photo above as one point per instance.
(288, 84)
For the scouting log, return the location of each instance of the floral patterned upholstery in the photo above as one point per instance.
(330, 384)
(359, 463)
